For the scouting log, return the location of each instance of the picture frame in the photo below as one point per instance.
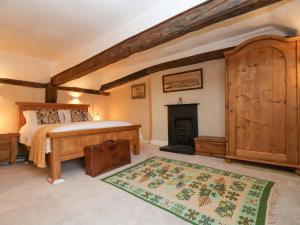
(138, 91)
(188, 80)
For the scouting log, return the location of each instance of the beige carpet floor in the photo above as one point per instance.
(26, 197)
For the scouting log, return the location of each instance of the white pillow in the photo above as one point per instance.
(30, 117)
(90, 117)
(61, 116)
(67, 114)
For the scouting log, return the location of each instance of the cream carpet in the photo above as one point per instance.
(26, 197)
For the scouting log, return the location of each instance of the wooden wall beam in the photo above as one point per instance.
(22, 83)
(83, 90)
(44, 85)
(203, 57)
(201, 16)
(51, 93)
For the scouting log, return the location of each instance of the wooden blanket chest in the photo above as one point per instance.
(106, 156)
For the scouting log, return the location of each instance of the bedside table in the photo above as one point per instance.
(9, 147)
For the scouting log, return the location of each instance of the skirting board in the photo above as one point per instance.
(159, 142)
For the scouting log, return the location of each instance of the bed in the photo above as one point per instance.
(68, 143)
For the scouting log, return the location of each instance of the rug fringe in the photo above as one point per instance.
(272, 204)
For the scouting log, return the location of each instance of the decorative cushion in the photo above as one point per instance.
(79, 115)
(47, 116)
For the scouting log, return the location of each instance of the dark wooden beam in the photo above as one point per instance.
(83, 90)
(22, 83)
(50, 89)
(201, 16)
(203, 57)
(51, 93)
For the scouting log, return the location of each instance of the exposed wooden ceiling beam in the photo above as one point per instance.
(201, 16)
(83, 90)
(50, 88)
(22, 83)
(203, 57)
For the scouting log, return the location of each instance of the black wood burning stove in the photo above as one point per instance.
(182, 128)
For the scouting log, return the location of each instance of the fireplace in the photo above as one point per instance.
(182, 128)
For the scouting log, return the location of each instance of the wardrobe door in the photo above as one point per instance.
(262, 102)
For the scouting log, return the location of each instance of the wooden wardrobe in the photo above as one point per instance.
(262, 101)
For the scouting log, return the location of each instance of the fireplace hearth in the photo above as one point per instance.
(182, 128)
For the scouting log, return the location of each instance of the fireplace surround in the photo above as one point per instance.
(182, 128)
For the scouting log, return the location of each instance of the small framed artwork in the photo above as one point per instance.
(188, 80)
(138, 91)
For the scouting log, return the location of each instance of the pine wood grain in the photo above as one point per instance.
(9, 147)
(70, 144)
(55, 156)
(262, 105)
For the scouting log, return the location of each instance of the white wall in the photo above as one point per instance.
(211, 99)
(22, 68)
(9, 94)
(98, 103)
(120, 106)
(136, 111)
(25, 68)
(32, 69)
(151, 112)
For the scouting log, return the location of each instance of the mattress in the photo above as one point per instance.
(27, 132)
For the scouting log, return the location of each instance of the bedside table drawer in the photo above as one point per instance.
(4, 148)
(4, 155)
(9, 147)
(5, 142)
(5, 145)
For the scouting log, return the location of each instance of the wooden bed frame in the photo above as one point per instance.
(69, 145)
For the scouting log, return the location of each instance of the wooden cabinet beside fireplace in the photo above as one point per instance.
(211, 146)
(262, 101)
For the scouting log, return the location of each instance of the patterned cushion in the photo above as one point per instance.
(79, 115)
(47, 116)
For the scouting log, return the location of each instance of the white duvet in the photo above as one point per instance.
(27, 132)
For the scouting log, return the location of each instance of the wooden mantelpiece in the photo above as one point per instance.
(183, 104)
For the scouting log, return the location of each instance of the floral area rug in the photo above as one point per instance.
(195, 193)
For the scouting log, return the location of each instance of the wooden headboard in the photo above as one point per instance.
(27, 106)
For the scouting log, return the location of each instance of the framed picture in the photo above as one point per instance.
(138, 91)
(188, 80)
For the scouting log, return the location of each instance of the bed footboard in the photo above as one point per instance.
(70, 145)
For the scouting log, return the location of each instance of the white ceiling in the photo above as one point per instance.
(50, 28)
(280, 19)
(68, 31)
